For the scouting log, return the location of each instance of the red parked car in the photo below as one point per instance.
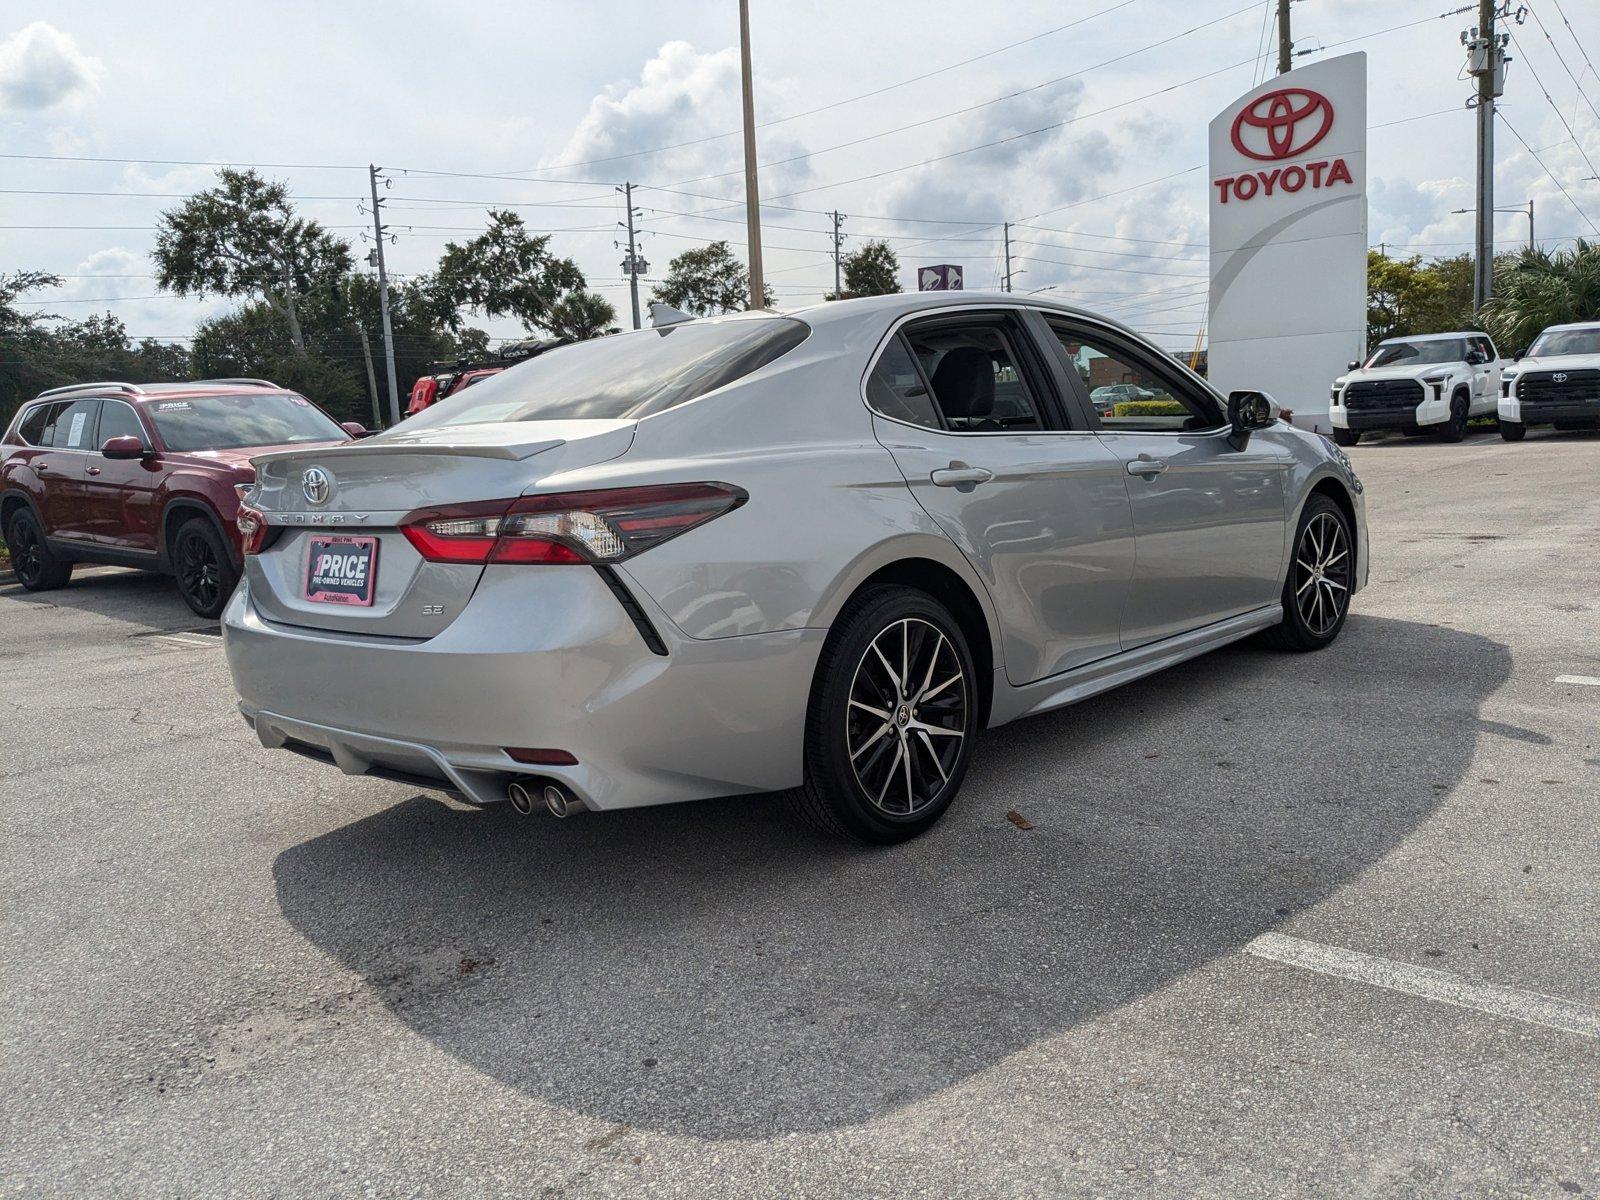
(145, 475)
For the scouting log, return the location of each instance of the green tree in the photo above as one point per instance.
(873, 270)
(1400, 295)
(707, 281)
(243, 239)
(1536, 288)
(508, 272)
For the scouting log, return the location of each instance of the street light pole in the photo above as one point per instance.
(752, 192)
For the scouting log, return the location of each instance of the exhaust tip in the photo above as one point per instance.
(558, 803)
(521, 799)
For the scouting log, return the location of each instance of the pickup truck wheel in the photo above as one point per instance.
(206, 577)
(32, 562)
(1455, 429)
(1513, 431)
(1345, 437)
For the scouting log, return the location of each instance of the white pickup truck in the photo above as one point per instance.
(1433, 383)
(1556, 383)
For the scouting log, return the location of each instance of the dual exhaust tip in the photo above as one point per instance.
(557, 801)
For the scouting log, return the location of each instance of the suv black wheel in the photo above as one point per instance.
(206, 576)
(1345, 437)
(1455, 429)
(1316, 596)
(33, 563)
(894, 707)
(1513, 431)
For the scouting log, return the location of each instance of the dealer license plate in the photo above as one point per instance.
(342, 569)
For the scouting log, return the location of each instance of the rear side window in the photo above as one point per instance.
(71, 427)
(31, 428)
(895, 387)
(624, 376)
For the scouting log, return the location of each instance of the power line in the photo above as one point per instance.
(1561, 58)
(1547, 171)
(1550, 100)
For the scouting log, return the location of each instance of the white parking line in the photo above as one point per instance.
(1585, 680)
(1549, 1011)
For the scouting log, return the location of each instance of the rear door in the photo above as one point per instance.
(67, 437)
(971, 413)
(1208, 517)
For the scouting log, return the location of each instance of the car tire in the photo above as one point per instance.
(863, 720)
(1455, 429)
(1346, 437)
(1316, 602)
(36, 566)
(1513, 431)
(204, 570)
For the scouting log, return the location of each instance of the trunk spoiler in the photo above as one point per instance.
(508, 440)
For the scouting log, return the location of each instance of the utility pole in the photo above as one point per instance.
(1285, 43)
(632, 265)
(1531, 244)
(1006, 233)
(752, 192)
(372, 380)
(838, 286)
(383, 297)
(1486, 59)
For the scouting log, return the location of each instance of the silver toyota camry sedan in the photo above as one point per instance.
(815, 553)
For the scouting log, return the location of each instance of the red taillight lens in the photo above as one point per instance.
(253, 529)
(568, 527)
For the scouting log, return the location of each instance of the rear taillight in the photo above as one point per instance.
(567, 527)
(254, 532)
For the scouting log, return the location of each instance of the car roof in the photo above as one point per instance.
(1571, 325)
(1433, 337)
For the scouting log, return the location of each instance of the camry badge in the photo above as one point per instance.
(317, 484)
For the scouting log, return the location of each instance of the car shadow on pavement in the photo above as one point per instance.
(140, 598)
(709, 970)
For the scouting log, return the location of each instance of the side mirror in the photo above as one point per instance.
(1517, 357)
(125, 447)
(1247, 412)
(355, 429)
(1475, 358)
(1353, 365)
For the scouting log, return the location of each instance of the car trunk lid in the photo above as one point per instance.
(363, 490)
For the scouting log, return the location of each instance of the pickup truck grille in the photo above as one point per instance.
(1387, 395)
(1575, 390)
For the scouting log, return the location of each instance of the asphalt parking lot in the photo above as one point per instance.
(1321, 925)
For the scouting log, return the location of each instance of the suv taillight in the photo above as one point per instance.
(567, 527)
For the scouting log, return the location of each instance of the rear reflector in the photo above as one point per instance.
(541, 758)
(567, 527)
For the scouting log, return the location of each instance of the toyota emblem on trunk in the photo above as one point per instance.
(317, 484)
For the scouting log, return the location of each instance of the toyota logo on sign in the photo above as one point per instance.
(1282, 124)
(317, 485)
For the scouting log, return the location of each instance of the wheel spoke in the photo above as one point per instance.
(926, 696)
(881, 714)
(927, 743)
(933, 662)
(894, 768)
(866, 745)
(898, 686)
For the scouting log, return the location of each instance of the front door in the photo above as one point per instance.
(1208, 515)
(967, 408)
(120, 494)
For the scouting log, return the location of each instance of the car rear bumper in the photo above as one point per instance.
(543, 658)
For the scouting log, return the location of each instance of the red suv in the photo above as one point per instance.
(145, 475)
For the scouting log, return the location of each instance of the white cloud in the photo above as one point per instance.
(42, 68)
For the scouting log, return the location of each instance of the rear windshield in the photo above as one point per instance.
(233, 422)
(1567, 341)
(1416, 354)
(624, 376)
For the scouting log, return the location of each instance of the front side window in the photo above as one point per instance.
(118, 420)
(976, 377)
(237, 420)
(1131, 393)
(1418, 354)
(1566, 341)
(71, 426)
(624, 376)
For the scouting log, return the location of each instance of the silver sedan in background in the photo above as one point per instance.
(814, 553)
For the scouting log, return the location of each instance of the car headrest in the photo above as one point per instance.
(964, 382)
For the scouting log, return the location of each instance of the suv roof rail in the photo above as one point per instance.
(242, 379)
(131, 389)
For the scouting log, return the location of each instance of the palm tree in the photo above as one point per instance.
(1536, 289)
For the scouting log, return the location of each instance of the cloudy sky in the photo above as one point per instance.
(871, 109)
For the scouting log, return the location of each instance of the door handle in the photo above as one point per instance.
(959, 475)
(94, 470)
(1147, 466)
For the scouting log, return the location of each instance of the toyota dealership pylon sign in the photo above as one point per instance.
(1289, 235)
